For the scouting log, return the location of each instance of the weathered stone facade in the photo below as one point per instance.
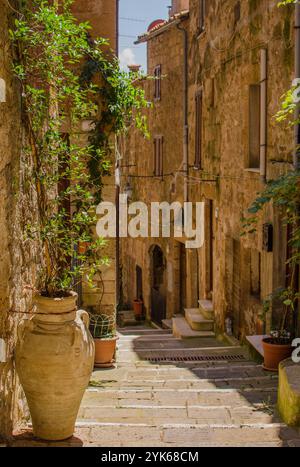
(224, 65)
(226, 62)
(102, 16)
(20, 258)
(164, 119)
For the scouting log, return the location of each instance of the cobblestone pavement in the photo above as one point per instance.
(226, 402)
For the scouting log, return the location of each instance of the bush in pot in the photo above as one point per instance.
(65, 78)
(103, 330)
(278, 346)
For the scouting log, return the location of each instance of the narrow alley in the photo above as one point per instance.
(216, 397)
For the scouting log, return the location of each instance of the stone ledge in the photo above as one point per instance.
(257, 343)
(289, 392)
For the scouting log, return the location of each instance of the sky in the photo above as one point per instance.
(135, 17)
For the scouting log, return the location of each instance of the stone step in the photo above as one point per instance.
(197, 321)
(190, 383)
(146, 397)
(167, 324)
(127, 318)
(207, 309)
(126, 434)
(178, 415)
(108, 437)
(182, 330)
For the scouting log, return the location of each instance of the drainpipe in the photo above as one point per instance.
(297, 75)
(264, 113)
(185, 113)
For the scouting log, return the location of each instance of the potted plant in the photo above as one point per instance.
(103, 330)
(65, 78)
(138, 305)
(278, 346)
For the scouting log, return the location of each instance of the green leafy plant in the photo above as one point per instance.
(67, 78)
(102, 326)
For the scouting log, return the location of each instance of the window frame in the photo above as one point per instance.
(157, 83)
(198, 130)
(254, 137)
(158, 162)
(202, 10)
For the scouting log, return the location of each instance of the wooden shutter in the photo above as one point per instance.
(198, 130)
(254, 126)
(202, 14)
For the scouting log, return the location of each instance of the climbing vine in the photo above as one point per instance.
(68, 78)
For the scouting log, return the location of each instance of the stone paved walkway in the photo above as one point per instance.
(177, 404)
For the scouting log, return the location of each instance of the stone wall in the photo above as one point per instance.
(164, 119)
(225, 61)
(102, 15)
(19, 258)
(234, 272)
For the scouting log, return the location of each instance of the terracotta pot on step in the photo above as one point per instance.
(138, 309)
(274, 354)
(54, 360)
(105, 350)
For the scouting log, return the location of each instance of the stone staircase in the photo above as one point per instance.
(214, 402)
(197, 322)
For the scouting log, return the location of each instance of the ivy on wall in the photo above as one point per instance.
(65, 78)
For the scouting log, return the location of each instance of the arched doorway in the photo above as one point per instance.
(158, 285)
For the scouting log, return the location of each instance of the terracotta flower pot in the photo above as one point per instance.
(138, 309)
(54, 361)
(104, 352)
(275, 353)
(83, 247)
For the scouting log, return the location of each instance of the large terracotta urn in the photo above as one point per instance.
(54, 360)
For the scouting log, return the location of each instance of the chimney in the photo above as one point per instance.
(178, 6)
(134, 68)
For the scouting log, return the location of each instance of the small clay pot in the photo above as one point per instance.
(104, 352)
(138, 309)
(274, 354)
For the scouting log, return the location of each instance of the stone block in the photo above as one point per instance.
(289, 392)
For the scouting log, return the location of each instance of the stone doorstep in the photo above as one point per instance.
(207, 309)
(182, 330)
(167, 324)
(197, 321)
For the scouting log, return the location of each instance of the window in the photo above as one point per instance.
(157, 83)
(198, 130)
(237, 13)
(254, 126)
(255, 273)
(158, 156)
(202, 15)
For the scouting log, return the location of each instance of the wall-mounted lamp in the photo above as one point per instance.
(2, 90)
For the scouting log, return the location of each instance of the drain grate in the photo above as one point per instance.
(194, 358)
